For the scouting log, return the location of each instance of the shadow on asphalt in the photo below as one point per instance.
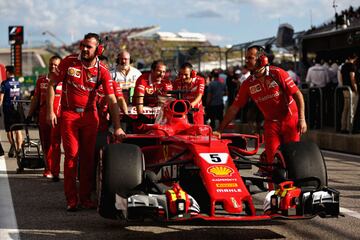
(39, 205)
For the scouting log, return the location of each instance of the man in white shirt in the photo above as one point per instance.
(317, 75)
(125, 75)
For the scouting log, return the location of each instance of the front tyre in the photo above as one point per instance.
(304, 160)
(119, 172)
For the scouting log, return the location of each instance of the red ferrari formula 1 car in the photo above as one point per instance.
(179, 171)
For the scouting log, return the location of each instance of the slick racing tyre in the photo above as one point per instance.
(304, 160)
(119, 172)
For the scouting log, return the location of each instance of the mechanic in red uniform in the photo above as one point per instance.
(54, 154)
(81, 76)
(38, 103)
(277, 97)
(151, 87)
(189, 80)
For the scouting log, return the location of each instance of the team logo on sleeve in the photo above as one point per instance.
(74, 72)
(255, 89)
(150, 90)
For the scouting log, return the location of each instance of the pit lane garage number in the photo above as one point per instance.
(215, 158)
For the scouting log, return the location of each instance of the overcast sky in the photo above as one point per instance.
(224, 22)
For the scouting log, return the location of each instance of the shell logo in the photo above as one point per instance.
(220, 171)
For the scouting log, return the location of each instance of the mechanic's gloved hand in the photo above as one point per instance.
(217, 134)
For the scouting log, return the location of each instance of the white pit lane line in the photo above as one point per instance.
(8, 224)
(350, 213)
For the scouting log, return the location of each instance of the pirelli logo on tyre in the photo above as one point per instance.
(220, 171)
(226, 185)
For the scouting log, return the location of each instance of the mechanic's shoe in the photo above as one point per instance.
(18, 154)
(47, 174)
(71, 208)
(2, 153)
(55, 178)
(88, 204)
(11, 152)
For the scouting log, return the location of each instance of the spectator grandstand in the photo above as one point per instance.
(145, 44)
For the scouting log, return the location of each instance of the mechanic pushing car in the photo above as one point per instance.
(150, 87)
(38, 104)
(277, 97)
(81, 76)
(188, 80)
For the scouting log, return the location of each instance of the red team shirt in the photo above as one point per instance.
(41, 92)
(268, 96)
(80, 83)
(102, 106)
(151, 90)
(196, 87)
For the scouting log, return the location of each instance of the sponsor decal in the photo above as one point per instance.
(169, 172)
(229, 190)
(224, 179)
(92, 79)
(234, 202)
(74, 72)
(43, 85)
(226, 185)
(255, 89)
(215, 158)
(273, 84)
(149, 90)
(220, 171)
(267, 97)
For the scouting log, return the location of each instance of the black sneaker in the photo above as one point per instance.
(11, 152)
(2, 153)
(71, 208)
(19, 153)
(55, 179)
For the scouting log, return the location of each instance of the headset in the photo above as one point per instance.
(261, 58)
(193, 73)
(100, 47)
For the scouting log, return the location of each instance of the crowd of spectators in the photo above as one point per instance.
(344, 19)
(142, 49)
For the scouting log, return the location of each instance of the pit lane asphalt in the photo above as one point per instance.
(39, 207)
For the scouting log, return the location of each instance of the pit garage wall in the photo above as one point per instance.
(346, 143)
(331, 45)
(325, 139)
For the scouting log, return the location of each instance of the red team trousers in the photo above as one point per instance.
(279, 132)
(45, 136)
(54, 154)
(78, 128)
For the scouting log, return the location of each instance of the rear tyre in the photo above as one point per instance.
(304, 160)
(119, 172)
